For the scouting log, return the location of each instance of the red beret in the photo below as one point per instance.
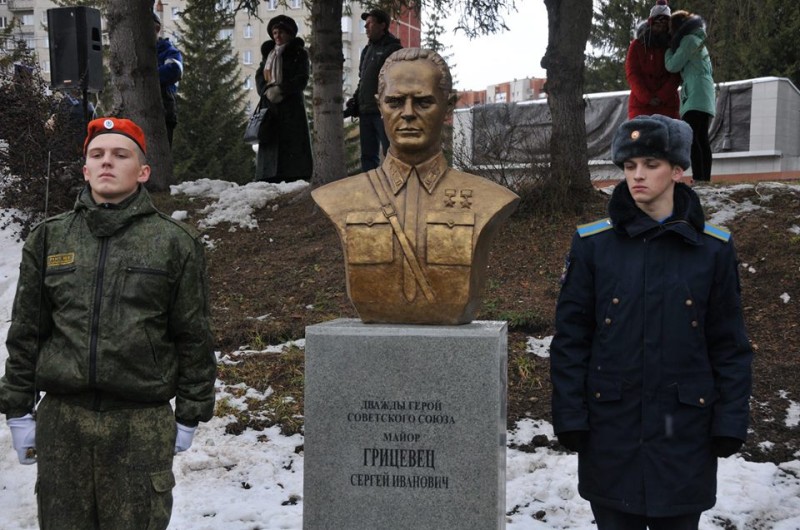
(117, 126)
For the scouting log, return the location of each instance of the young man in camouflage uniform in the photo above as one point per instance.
(111, 321)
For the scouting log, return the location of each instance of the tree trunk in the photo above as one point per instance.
(134, 74)
(326, 67)
(569, 24)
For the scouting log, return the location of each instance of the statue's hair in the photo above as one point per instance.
(414, 54)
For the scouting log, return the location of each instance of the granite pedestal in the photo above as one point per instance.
(405, 426)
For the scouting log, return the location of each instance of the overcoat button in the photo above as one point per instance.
(694, 323)
(608, 321)
(597, 395)
(615, 301)
(689, 302)
(702, 401)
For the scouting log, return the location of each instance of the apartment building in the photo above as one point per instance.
(247, 32)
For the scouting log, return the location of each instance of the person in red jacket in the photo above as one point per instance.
(654, 90)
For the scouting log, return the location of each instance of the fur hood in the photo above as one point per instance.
(694, 24)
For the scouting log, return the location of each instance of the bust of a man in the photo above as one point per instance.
(415, 233)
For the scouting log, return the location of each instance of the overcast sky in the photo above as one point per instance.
(513, 54)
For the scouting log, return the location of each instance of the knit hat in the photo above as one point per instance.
(283, 22)
(661, 9)
(654, 136)
(117, 126)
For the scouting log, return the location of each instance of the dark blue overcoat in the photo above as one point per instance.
(651, 357)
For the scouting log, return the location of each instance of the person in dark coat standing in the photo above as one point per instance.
(650, 363)
(363, 103)
(654, 90)
(170, 71)
(281, 78)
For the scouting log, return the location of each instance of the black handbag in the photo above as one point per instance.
(258, 125)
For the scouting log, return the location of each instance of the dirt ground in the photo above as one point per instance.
(268, 284)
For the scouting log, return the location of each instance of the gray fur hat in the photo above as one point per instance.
(654, 136)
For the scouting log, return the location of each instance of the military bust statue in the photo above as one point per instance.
(415, 233)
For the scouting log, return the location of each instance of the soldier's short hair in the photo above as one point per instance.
(414, 54)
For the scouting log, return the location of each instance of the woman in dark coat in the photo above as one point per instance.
(285, 155)
(650, 363)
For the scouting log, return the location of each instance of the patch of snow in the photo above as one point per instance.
(180, 215)
(539, 347)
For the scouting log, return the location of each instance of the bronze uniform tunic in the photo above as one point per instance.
(448, 217)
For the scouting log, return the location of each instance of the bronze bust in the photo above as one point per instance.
(415, 233)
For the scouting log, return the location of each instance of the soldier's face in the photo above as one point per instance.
(413, 108)
(113, 168)
(651, 181)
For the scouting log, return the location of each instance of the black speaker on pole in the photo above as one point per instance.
(76, 48)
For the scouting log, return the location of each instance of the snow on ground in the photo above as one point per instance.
(255, 480)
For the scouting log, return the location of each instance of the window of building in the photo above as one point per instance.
(347, 24)
(46, 66)
(362, 26)
(226, 33)
(3, 22)
(225, 5)
(28, 19)
(248, 31)
(175, 13)
(247, 57)
(295, 4)
(248, 84)
(272, 5)
(44, 18)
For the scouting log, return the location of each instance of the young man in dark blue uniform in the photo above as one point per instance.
(650, 364)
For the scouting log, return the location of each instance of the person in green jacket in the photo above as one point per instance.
(689, 56)
(111, 322)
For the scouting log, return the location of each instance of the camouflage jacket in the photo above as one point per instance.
(123, 321)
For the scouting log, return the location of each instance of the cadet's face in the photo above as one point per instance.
(651, 181)
(413, 108)
(113, 169)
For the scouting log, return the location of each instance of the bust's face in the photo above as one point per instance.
(413, 108)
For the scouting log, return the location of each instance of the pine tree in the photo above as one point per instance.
(211, 102)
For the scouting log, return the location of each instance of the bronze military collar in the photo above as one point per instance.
(429, 172)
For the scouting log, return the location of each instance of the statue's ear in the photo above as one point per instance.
(451, 100)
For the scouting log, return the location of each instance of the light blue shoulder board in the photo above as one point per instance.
(595, 227)
(717, 231)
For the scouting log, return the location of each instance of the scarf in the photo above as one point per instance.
(273, 66)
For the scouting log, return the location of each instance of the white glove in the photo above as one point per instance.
(274, 94)
(23, 438)
(183, 440)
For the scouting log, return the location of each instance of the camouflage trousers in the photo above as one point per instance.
(104, 470)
